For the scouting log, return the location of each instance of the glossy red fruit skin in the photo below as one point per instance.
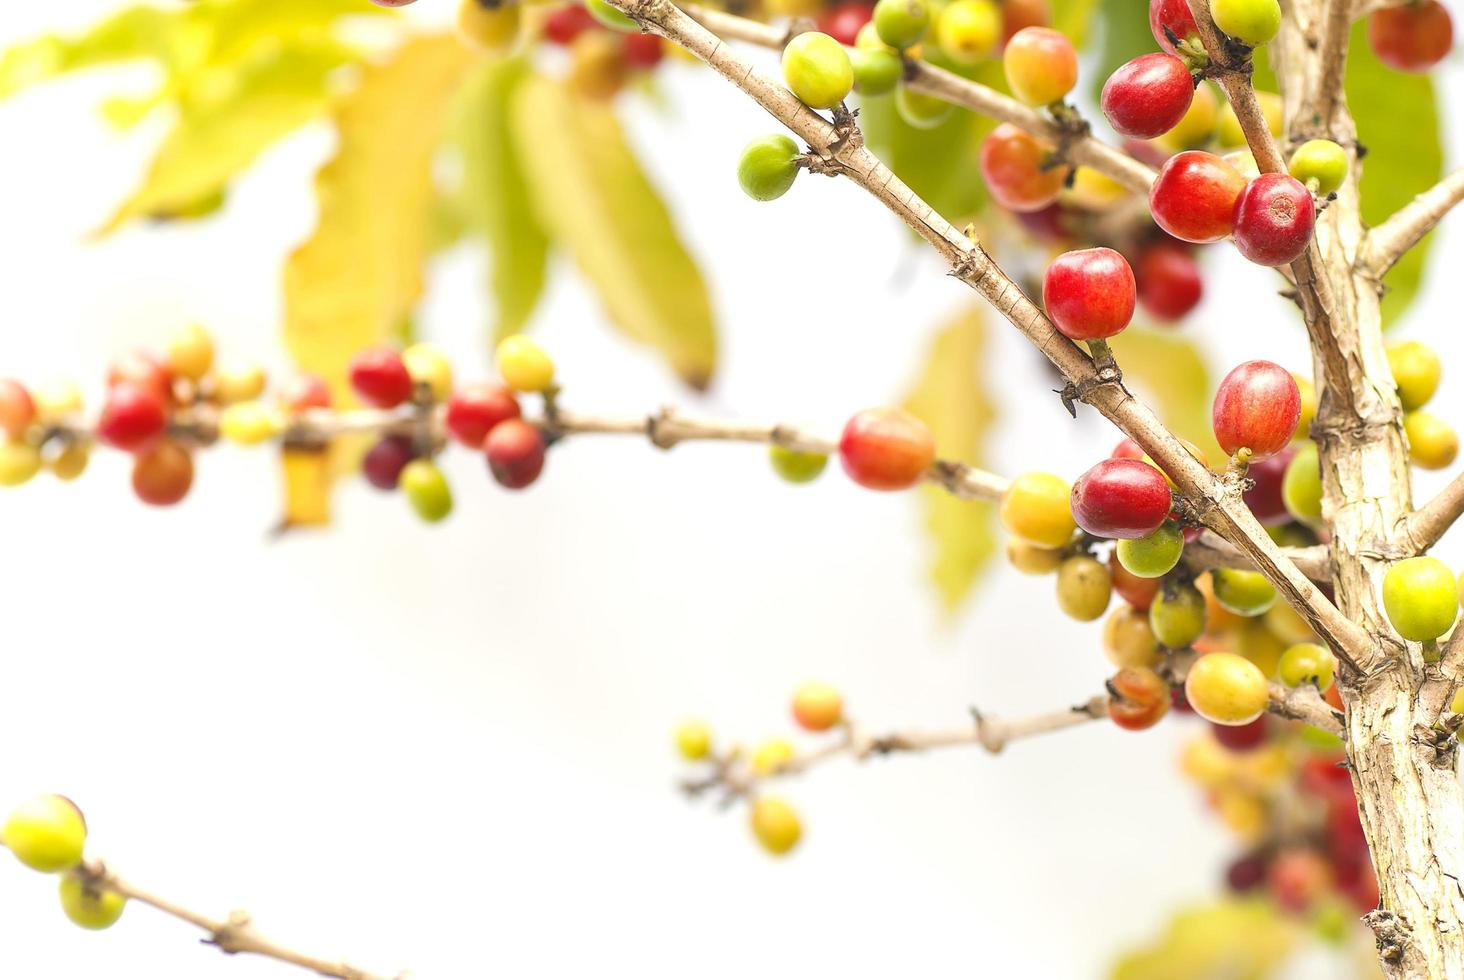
(843, 21)
(1137, 592)
(643, 51)
(1243, 738)
(17, 408)
(163, 475)
(380, 378)
(473, 412)
(142, 368)
(515, 452)
(1411, 37)
(1257, 407)
(1274, 217)
(1177, 17)
(1194, 196)
(1012, 165)
(886, 449)
(133, 417)
(383, 464)
(1121, 498)
(566, 23)
(1126, 449)
(1148, 96)
(1089, 293)
(305, 391)
(1264, 499)
(1170, 284)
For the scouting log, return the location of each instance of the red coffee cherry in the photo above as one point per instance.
(563, 24)
(1273, 219)
(380, 377)
(1121, 498)
(1089, 293)
(1148, 96)
(474, 411)
(1013, 162)
(643, 51)
(1138, 698)
(1257, 407)
(1018, 14)
(133, 417)
(143, 368)
(1194, 196)
(1169, 280)
(515, 451)
(383, 465)
(842, 21)
(1168, 17)
(305, 391)
(1411, 37)
(161, 476)
(886, 449)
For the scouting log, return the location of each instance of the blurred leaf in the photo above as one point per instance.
(1074, 18)
(495, 193)
(355, 281)
(131, 34)
(591, 194)
(951, 397)
(307, 480)
(1230, 939)
(1171, 372)
(1126, 35)
(1398, 121)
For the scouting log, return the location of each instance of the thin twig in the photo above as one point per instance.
(1388, 242)
(1423, 528)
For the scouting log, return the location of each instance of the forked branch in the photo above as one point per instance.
(1388, 242)
(1423, 528)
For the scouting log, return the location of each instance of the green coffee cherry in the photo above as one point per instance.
(611, 17)
(921, 111)
(47, 833)
(1420, 597)
(1320, 164)
(1253, 22)
(768, 167)
(427, 490)
(1154, 555)
(901, 23)
(1301, 486)
(875, 72)
(1243, 593)
(1307, 663)
(1178, 615)
(796, 467)
(88, 907)
(817, 70)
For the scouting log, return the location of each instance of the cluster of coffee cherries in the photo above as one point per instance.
(48, 834)
(160, 407)
(775, 824)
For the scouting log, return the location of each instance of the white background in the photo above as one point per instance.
(447, 748)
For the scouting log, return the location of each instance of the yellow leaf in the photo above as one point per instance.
(134, 33)
(592, 195)
(951, 398)
(1230, 939)
(1171, 372)
(355, 281)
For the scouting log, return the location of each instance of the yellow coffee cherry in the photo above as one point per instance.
(1432, 442)
(1198, 122)
(1256, 643)
(597, 66)
(1457, 705)
(775, 824)
(967, 30)
(523, 364)
(1229, 132)
(47, 833)
(19, 461)
(57, 401)
(251, 423)
(1416, 370)
(70, 461)
(492, 27)
(1084, 588)
(191, 352)
(693, 740)
(90, 907)
(1244, 813)
(1030, 559)
(771, 756)
(1036, 509)
(239, 384)
(1128, 640)
(1287, 624)
(428, 365)
(1207, 762)
(1226, 688)
(1092, 190)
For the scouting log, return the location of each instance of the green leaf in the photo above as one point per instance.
(1126, 35)
(355, 281)
(591, 194)
(495, 192)
(1229, 939)
(951, 397)
(129, 35)
(1074, 18)
(1171, 372)
(1398, 121)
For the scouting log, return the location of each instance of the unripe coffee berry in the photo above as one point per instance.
(1084, 588)
(919, 110)
(1153, 555)
(875, 72)
(1128, 641)
(89, 906)
(1041, 65)
(428, 366)
(1301, 486)
(47, 833)
(1307, 663)
(775, 824)
(901, 23)
(1253, 22)
(1020, 170)
(817, 70)
(1226, 688)
(191, 353)
(1036, 509)
(817, 707)
(1432, 443)
(1244, 593)
(768, 167)
(19, 462)
(523, 365)
(1178, 615)
(427, 490)
(1089, 293)
(250, 423)
(611, 17)
(968, 30)
(1421, 596)
(795, 466)
(693, 740)
(1416, 371)
(1319, 164)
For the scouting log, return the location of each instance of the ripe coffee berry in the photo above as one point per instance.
(1041, 65)
(563, 24)
(843, 21)
(1194, 197)
(133, 417)
(1411, 37)
(768, 167)
(145, 369)
(304, 392)
(380, 377)
(1138, 698)
(1089, 293)
(1148, 96)
(817, 70)
(162, 476)
(886, 449)
(1018, 169)
(1172, 22)
(643, 51)
(1274, 217)
(515, 452)
(1257, 407)
(17, 408)
(383, 464)
(476, 409)
(1121, 498)
(1169, 281)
